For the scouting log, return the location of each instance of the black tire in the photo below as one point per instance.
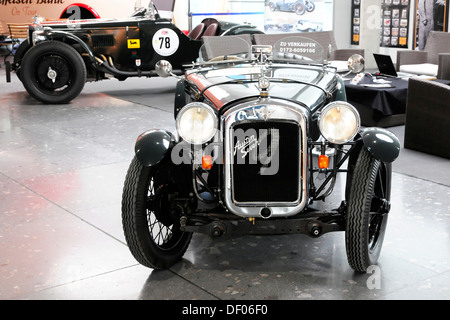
(18, 56)
(367, 210)
(53, 72)
(272, 6)
(153, 235)
(300, 9)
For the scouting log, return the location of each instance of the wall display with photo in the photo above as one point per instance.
(431, 15)
(356, 18)
(284, 16)
(395, 23)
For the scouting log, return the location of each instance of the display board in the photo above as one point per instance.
(356, 18)
(395, 23)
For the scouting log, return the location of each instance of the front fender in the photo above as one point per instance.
(152, 146)
(381, 143)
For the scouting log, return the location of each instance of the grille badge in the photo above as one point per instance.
(264, 113)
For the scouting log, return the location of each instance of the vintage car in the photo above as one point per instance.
(60, 56)
(263, 133)
(273, 25)
(299, 6)
(308, 26)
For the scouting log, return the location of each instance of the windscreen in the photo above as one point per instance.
(298, 49)
(225, 48)
(293, 49)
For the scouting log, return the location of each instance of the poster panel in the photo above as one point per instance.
(355, 24)
(287, 16)
(395, 23)
(235, 11)
(431, 15)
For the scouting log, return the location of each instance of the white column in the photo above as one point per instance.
(370, 30)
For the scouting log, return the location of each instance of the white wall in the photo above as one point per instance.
(342, 23)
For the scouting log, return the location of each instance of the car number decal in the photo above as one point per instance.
(165, 42)
(134, 43)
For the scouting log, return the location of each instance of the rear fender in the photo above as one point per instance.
(381, 143)
(153, 145)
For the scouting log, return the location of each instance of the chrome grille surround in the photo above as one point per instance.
(266, 110)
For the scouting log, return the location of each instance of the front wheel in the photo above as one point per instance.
(151, 224)
(53, 72)
(367, 210)
(300, 9)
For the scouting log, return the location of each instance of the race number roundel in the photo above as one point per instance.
(165, 42)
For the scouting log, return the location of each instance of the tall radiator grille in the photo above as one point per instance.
(266, 162)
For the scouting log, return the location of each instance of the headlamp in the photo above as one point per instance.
(339, 122)
(196, 123)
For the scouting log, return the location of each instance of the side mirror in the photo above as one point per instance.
(356, 63)
(163, 68)
(329, 51)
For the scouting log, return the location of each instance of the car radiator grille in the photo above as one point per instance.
(254, 178)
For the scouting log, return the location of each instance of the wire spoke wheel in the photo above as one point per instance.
(53, 72)
(367, 211)
(151, 226)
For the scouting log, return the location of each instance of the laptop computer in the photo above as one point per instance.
(386, 66)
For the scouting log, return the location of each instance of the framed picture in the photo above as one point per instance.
(356, 7)
(432, 15)
(395, 23)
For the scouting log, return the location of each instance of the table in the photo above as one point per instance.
(379, 106)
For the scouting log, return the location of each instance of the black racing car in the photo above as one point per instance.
(60, 56)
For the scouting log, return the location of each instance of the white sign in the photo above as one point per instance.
(165, 42)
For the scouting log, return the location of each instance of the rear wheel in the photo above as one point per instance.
(150, 223)
(367, 211)
(310, 6)
(53, 72)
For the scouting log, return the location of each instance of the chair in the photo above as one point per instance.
(197, 32)
(427, 124)
(5, 41)
(434, 60)
(18, 32)
(211, 30)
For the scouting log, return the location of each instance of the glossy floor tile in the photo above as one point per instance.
(62, 169)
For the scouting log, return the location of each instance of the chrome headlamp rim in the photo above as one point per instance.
(332, 106)
(190, 137)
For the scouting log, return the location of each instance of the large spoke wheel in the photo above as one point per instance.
(367, 211)
(300, 9)
(53, 72)
(151, 223)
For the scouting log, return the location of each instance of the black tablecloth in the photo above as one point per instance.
(388, 101)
